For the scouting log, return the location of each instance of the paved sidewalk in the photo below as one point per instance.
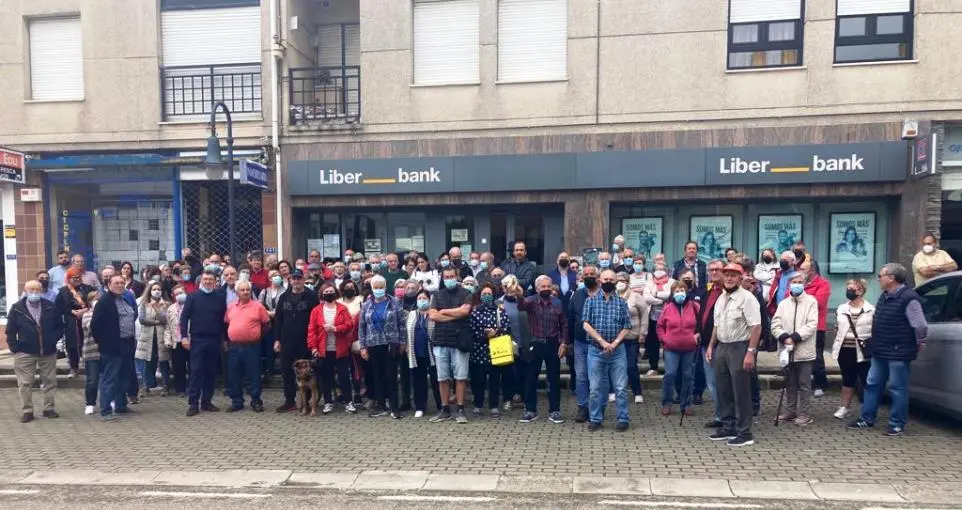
(160, 437)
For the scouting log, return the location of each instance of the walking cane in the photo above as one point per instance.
(785, 375)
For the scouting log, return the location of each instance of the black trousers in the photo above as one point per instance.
(490, 378)
(330, 364)
(290, 353)
(404, 397)
(383, 368)
(819, 376)
(179, 358)
(419, 380)
(652, 346)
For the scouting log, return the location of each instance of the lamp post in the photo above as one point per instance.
(213, 160)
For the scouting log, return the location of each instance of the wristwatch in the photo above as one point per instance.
(752, 349)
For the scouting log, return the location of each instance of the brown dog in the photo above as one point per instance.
(306, 382)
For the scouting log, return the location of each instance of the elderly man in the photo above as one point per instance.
(112, 327)
(394, 271)
(549, 343)
(899, 330)
(33, 329)
(606, 321)
(246, 321)
(617, 249)
(89, 277)
(605, 261)
(484, 268)
(202, 332)
(229, 277)
(734, 342)
(464, 270)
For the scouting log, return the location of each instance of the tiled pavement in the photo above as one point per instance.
(161, 437)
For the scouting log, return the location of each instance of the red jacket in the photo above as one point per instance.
(317, 336)
(677, 328)
(772, 292)
(819, 288)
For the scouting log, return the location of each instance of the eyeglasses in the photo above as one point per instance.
(880, 275)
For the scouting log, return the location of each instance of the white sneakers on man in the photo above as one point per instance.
(419, 414)
(611, 397)
(819, 393)
(639, 399)
(89, 410)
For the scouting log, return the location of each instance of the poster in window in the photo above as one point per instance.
(713, 235)
(851, 243)
(372, 247)
(315, 244)
(643, 235)
(778, 232)
(332, 246)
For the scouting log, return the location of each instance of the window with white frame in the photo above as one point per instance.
(765, 33)
(56, 59)
(532, 40)
(446, 42)
(873, 30)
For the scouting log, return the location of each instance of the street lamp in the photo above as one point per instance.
(213, 161)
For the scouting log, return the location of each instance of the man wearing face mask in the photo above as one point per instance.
(579, 369)
(567, 281)
(450, 311)
(291, 320)
(48, 293)
(734, 342)
(606, 323)
(794, 325)
(779, 288)
(485, 266)
(521, 267)
(203, 333)
(58, 272)
(821, 290)
(617, 250)
(930, 261)
(474, 262)
(604, 261)
(33, 329)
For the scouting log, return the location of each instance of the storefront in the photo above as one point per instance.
(951, 183)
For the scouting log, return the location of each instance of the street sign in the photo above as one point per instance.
(253, 173)
(12, 166)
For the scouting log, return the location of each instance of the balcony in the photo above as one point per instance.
(189, 92)
(325, 95)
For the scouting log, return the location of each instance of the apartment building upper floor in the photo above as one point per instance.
(102, 71)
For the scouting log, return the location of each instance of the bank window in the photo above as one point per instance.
(873, 31)
(765, 33)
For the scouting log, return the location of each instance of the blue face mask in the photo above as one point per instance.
(185, 277)
(378, 293)
(796, 289)
(450, 284)
(34, 298)
(484, 265)
(638, 268)
(205, 290)
(383, 264)
(604, 263)
(423, 304)
(469, 288)
(487, 299)
(445, 263)
(679, 297)
(581, 285)
(277, 280)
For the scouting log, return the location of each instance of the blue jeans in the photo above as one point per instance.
(244, 361)
(92, 381)
(581, 372)
(148, 377)
(710, 381)
(604, 370)
(699, 384)
(113, 381)
(897, 375)
(678, 363)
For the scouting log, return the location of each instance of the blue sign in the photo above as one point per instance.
(253, 173)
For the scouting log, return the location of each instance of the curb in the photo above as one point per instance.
(424, 481)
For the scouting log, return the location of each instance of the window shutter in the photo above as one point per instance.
(56, 59)
(750, 11)
(532, 40)
(352, 45)
(857, 7)
(200, 37)
(446, 42)
(329, 46)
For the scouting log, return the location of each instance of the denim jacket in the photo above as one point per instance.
(391, 334)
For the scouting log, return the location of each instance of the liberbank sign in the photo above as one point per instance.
(741, 166)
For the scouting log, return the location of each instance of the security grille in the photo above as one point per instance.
(206, 217)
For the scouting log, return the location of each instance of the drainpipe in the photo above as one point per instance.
(598, 63)
(277, 104)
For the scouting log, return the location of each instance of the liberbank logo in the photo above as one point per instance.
(337, 177)
(736, 165)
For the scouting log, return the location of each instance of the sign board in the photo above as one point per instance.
(923, 161)
(31, 194)
(9, 232)
(12, 166)
(253, 173)
(270, 250)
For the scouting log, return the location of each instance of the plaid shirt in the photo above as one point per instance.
(547, 319)
(607, 316)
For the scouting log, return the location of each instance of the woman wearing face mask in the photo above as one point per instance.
(269, 298)
(351, 298)
(638, 311)
(516, 373)
(399, 291)
(151, 348)
(429, 278)
(329, 339)
(420, 334)
(487, 321)
(657, 293)
(678, 330)
(795, 324)
(379, 331)
(765, 270)
(91, 358)
(471, 285)
(639, 276)
(854, 323)
(179, 356)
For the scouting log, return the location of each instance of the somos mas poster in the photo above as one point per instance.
(778, 232)
(643, 235)
(852, 243)
(713, 235)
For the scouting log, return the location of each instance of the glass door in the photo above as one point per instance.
(500, 223)
(529, 228)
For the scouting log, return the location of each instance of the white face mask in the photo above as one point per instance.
(155, 294)
(660, 274)
(928, 249)
(621, 286)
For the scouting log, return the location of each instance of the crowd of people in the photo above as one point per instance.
(381, 330)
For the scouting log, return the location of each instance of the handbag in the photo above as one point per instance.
(864, 344)
(501, 348)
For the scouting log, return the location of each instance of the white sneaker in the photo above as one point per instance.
(419, 414)
(611, 397)
(651, 373)
(507, 407)
(841, 413)
(328, 409)
(639, 399)
(819, 393)
(89, 410)
(349, 408)
(113, 405)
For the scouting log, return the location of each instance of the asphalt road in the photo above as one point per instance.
(109, 498)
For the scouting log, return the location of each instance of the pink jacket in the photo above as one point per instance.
(677, 329)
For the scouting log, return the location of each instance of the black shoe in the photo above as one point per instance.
(193, 411)
(210, 408)
(713, 424)
(757, 412)
(723, 436)
(50, 414)
(594, 426)
(26, 418)
(396, 416)
(286, 408)
(377, 413)
(233, 409)
(258, 407)
(582, 415)
(125, 410)
(404, 408)
(622, 426)
(741, 441)
(860, 424)
(133, 400)
(894, 431)
(699, 400)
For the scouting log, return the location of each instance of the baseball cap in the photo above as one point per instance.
(297, 273)
(733, 267)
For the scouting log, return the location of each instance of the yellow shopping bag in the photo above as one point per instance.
(502, 350)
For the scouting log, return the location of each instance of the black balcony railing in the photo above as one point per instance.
(191, 90)
(325, 94)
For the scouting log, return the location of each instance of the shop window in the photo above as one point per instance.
(458, 231)
(134, 236)
(364, 232)
(864, 35)
(406, 232)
